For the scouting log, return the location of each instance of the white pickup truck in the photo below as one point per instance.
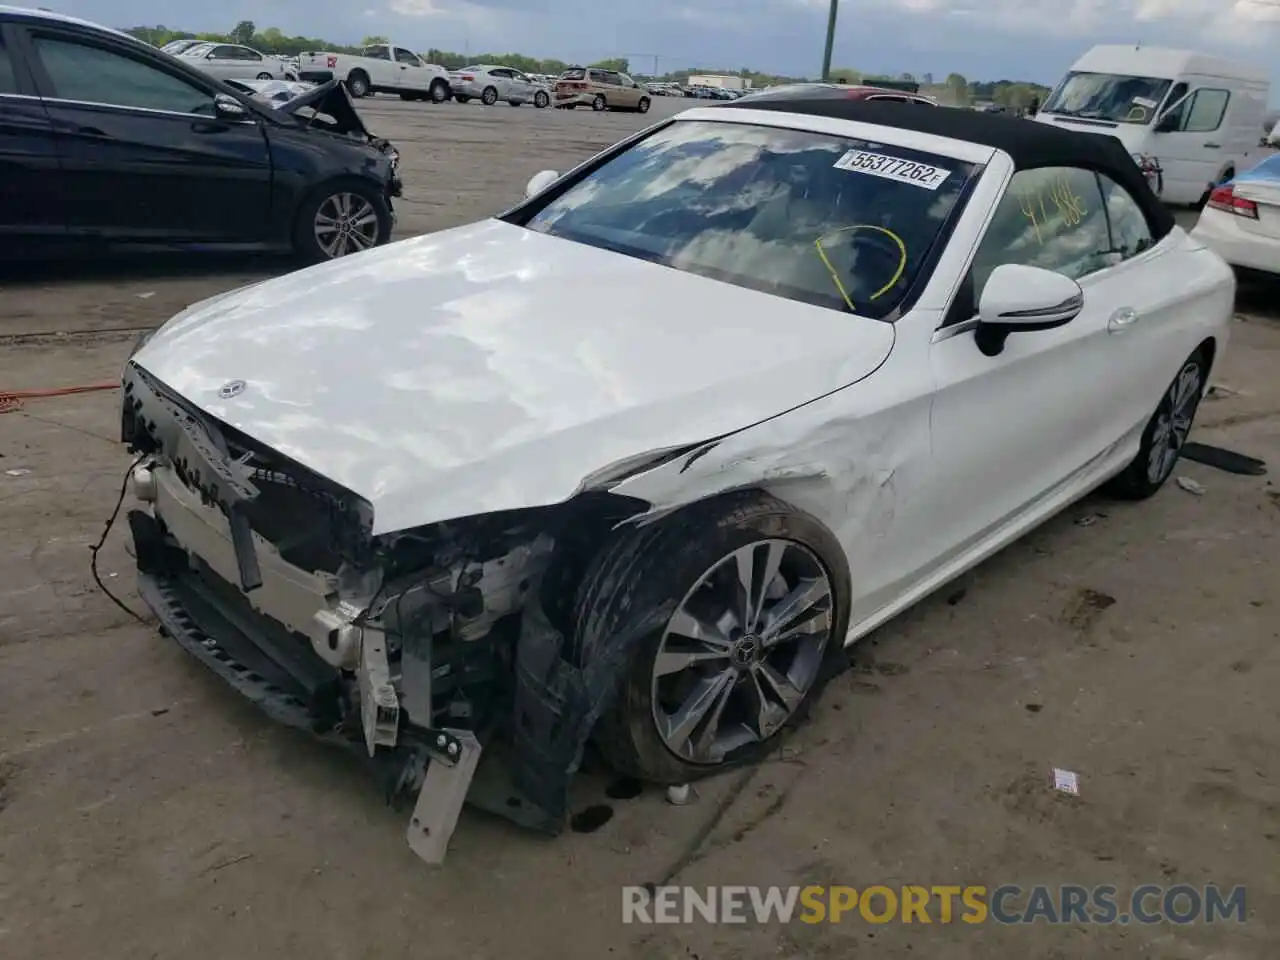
(381, 68)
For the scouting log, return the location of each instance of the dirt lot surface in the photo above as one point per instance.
(146, 811)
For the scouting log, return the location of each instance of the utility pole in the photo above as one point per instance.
(831, 40)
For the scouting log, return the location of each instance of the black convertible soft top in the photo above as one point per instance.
(1029, 143)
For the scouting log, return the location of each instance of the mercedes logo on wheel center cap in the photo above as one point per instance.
(232, 388)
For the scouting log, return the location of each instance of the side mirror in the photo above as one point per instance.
(228, 107)
(1021, 299)
(1167, 123)
(539, 182)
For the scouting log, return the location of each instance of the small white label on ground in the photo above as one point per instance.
(1066, 781)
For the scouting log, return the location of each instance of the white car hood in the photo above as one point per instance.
(489, 367)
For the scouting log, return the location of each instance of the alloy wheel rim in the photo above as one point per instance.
(346, 223)
(490, 97)
(742, 650)
(1173, 422)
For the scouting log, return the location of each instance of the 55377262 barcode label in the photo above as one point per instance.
(890, 167)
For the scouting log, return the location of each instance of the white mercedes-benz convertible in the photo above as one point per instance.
(635, 460)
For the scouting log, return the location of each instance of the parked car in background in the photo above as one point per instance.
(273, 92)
(838, 91)
(1197, 115)
(1241, 221)
(231, 61)
(380, 68)
(125, 146)
(600, 90)
(491, 83)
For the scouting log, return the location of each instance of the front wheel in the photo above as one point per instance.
(265, 76)
(756, 598)
(489, 97)
(598, 103)
(540, 100)
(439, 91)
(341, 218)
(1165, 434)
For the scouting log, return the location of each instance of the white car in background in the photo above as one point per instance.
(379, 68)
(1241, 221)
(231, 61)
(640, 456)
(490, 83)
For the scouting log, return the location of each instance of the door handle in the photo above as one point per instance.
(1213, 146)
(1122, 320)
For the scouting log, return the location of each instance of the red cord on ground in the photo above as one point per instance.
(11, 401)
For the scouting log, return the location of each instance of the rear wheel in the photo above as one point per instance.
(1165, 434)
(598, 103)
(489, 97)
(643, 105)
(264, 76)
(358, 84)
(757, 600)
(462, 99)
(540, 99)
(341, 218)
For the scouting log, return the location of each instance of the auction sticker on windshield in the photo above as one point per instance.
(894, 168)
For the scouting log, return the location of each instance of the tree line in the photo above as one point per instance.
(953, 88)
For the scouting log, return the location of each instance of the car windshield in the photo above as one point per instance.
(1108, 96)
(827, 220)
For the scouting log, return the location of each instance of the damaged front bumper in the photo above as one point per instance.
(340, 647)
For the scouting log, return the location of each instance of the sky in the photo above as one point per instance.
(982, 39)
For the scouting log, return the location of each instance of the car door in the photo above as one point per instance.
(521, 86)
(222, 62)
(501, 79)
(408, 72)
(631, 92)
(1189, 144)
(1012, 430)
(32, 192)
(249, 63)
(144, 155)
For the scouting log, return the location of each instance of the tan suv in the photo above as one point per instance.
(600, 90)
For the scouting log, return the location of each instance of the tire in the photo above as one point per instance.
(540, 100)
(643, 105)
(462, 99)
(599, 104)
(308, 245)
(660, 567)
(489, 96)
(438, 92)
(265, 76)
(1142, 478)
(358, 84)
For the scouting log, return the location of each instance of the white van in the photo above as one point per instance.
(1197, 116)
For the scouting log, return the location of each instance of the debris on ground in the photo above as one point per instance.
(1227, 460)
(1066, 781)
(679, 794)
(1189, 485)
(16, 473)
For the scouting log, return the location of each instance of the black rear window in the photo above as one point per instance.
(575, 74)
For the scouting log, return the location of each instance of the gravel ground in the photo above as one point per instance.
(146, 811)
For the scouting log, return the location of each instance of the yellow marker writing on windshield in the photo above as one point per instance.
(835, 277)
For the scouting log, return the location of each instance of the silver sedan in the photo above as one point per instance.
(491, 83)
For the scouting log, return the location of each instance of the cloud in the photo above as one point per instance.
(982, 39)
